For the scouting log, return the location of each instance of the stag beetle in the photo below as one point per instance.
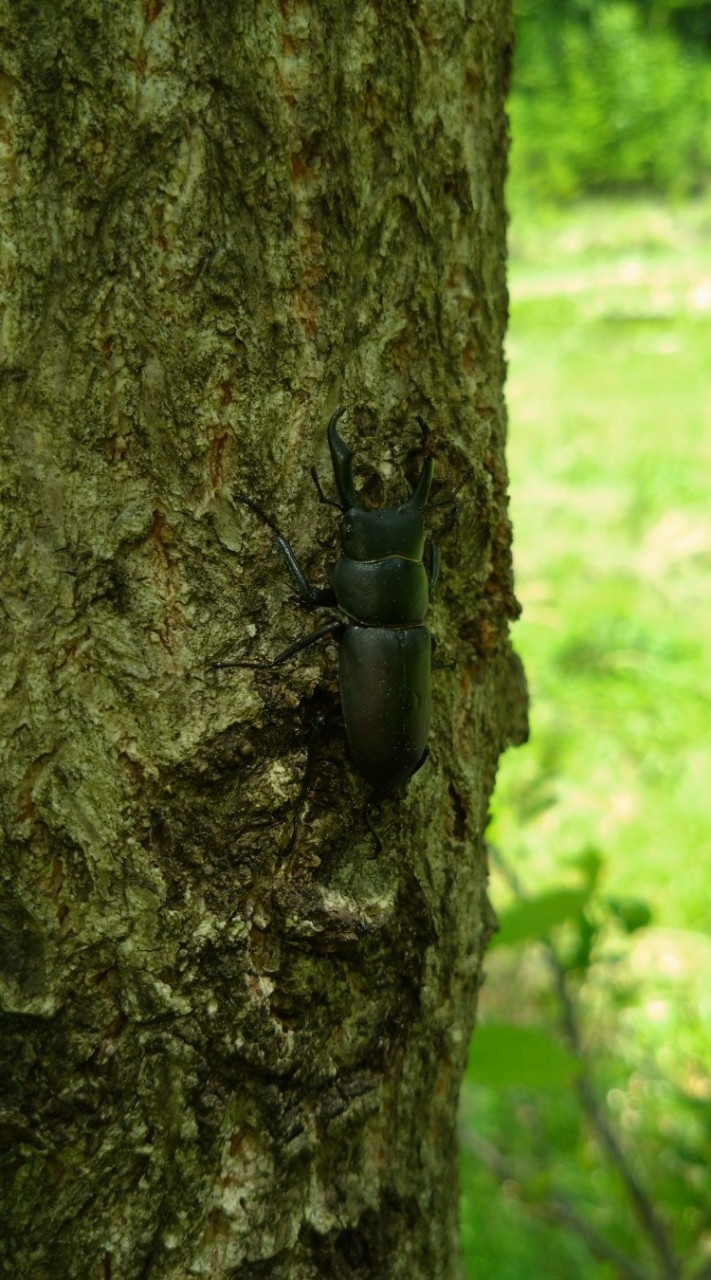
(382, 588)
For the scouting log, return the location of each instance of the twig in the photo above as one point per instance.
(557, 1208)
(641, 1202)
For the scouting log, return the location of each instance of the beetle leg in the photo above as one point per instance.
(304, 643)
(327, 502)
(445, 528)
(376, 799)
(314, 597)
(422, 760)
(448, 524)
(441, 666)
(424, 429)
(434, 565)
(329, 628)
(312, 751)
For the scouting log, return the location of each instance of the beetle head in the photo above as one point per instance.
(389, 531)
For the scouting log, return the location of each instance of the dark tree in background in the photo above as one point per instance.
(689, 19)
(220, 221)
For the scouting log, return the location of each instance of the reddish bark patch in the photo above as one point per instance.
(219, 447)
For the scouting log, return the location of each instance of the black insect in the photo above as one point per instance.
(382, 588)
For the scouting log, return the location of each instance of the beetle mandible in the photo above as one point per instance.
(382, 588)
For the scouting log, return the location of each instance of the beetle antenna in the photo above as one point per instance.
(448, 502)
(249, 502)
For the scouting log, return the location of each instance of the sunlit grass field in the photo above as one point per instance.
(610, 457)
(610, 460)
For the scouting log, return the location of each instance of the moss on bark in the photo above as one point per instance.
(219, 221)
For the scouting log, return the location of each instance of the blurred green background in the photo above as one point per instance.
(586, 1115)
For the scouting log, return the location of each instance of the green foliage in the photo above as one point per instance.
(527, 1123)
(528, 1057)
(610, 457)
(603, 815)
(503, 1242)
(606, 97)
(535, 917)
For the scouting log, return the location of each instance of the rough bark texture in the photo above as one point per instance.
(221, 220)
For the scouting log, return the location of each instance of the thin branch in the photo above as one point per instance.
(557, 1208)
(642, 1204)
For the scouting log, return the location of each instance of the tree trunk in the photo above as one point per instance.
(221, 221)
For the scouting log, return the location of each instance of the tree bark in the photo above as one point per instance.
(219, 222)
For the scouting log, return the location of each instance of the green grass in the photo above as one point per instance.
(610, 456)
(610, 460)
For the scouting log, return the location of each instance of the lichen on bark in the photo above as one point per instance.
(219, 221)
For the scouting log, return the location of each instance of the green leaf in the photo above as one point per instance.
(537, 916)
(590, 863)
(631, 913)
(501, 1055)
